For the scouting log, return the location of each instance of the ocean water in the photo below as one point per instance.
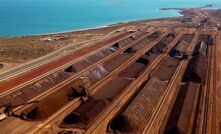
(30, 17)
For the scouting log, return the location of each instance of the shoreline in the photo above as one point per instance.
(34, 46)
(201, 7)
(178, 10)
(96, 27)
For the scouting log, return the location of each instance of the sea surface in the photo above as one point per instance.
(30, 17)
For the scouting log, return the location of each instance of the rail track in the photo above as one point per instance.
(153, 43)
(75, 103)
(121, 83)
(19, 87)
(91, 67)
(33, 75)
(158, 61)
(208, 116)
(202, 15)
(101, 124)
(162, 107)
(210, 97)
(45, 94)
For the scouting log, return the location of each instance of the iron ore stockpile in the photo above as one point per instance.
(141, 81)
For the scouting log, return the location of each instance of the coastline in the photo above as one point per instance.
(96, 27)
(201, 7)
(178, 11)
(34, 46)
